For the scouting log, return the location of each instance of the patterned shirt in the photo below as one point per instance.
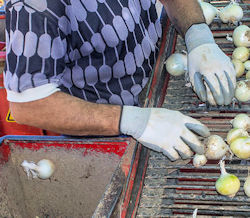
(98, 50)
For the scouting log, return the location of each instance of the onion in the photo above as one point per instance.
(248, 75)
(247, 65)
(241, 121)
(176, 64)
(227, 184)
(241, 53)
(242, 91)
(232, 13)
(241, 147)
(241, 36)
(209, 11)
(247, 186)
(216, 148)
(199, 160)
(43, 169)
(239, 67)
(235, 133)
(195, 213)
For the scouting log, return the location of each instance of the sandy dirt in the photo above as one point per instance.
(74, 190)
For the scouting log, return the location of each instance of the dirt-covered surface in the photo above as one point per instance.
(74, 190)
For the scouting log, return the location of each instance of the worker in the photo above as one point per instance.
(76, 67)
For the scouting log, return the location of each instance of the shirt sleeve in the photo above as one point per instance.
(35, 53)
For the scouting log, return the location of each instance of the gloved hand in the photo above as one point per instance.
(164, 130)
(210, 71)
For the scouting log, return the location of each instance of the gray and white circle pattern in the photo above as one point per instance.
(91, 48)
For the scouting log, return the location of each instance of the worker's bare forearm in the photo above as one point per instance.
(66, 114)
(183, 13)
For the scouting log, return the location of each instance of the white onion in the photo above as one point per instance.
(247, 65)
(241, 121)
(241, 147)
(216, 148)
(235, 133)
(241, 53)
(195, 213)
(241, 36)
(227, 184)
(232, 13)
(239, 67)
(248, 75)
(247, 186)
(209, 11)
(176, 64)
(242, 90)
(199, 160)
(43, 169)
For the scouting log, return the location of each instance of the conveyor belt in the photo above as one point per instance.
(171, 190)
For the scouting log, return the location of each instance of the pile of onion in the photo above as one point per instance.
(238, 137)
(240, 61)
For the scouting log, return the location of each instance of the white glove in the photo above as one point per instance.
(210, 71)
(164, 130)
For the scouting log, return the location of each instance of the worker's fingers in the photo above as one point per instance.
(194, 143)
(230, 94)
(199, 129)
(218, 97)
(228, 89)
(171, 153)
(183, 150)
(151, 146)
(199, 87)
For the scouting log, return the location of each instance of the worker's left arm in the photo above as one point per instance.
(210, 71)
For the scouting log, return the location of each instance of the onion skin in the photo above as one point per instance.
(216, 148)
(247, 186)
(242, 91)
(228, 185)
(209, 12)
(235, 133)
(248, 75)
(176, 64)
(45, 168)
(241, 147)
(199, 160)
(241, 121)
(232, 13)
(239, 67)
(241, 36)
(247, 65)
(241, 53)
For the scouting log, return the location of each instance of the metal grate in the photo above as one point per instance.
(187, 188)
(175, 190)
